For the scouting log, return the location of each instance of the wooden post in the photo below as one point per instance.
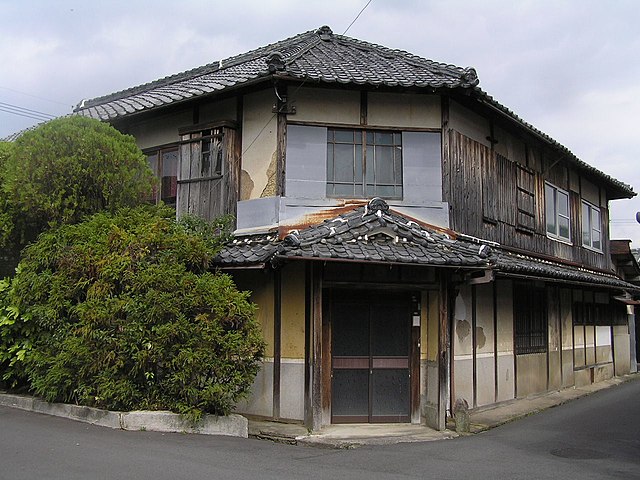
(317, 397)
(443, 350)
(281, 148)
(277, 340)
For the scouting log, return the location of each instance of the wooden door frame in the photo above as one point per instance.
(326, 362)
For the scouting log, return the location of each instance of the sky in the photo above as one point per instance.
(570, 68)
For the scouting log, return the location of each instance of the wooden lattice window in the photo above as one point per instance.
(208, 171)
(526, 199)
(530, 319)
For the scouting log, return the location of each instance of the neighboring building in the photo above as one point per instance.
(409, 240)
(626, 264)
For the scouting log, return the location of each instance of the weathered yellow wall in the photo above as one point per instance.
(404, 110)
(326, 106)
(260, 285)
(259, 142)
(430, 324)
(293, 310)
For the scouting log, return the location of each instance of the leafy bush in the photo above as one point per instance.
(130, 317)
(16, 333)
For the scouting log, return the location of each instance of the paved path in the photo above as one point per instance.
(594, 437)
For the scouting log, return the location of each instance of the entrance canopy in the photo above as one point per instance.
(373, 233)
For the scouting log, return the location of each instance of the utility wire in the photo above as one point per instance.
(25, 112)
(35, 96)
(357, 17)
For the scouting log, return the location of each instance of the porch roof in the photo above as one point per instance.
(518, 264)
(369, 233)
(374, 233)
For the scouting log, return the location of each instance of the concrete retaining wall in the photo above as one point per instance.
(161, 421)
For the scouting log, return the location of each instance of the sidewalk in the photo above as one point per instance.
(481, 419)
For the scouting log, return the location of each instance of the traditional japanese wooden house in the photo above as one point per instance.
(409, 240)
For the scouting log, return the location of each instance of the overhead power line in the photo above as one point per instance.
(357, 17)
(25, 112)
(35, 96)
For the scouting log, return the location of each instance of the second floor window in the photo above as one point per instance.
(364, 164)
(164, 163)
(557, 212)
(591, 226)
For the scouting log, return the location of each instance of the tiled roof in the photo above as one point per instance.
(316, 55)
(622, 189)
(515, 263)
(374, 233)
(371, 233)
(320, 56)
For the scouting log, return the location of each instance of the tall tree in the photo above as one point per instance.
(64, 170)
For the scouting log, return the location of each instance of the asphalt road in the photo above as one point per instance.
(595, 437)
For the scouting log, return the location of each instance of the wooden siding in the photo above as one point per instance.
(497, 199)
(201, 190)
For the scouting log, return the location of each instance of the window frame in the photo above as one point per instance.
(591, 209)
(160, 153)
(556, 212)
(364, 157)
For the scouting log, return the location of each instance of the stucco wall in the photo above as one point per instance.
(506, 358)
(259, 141)
(485, 345)
(325, 105)
(260, 400)
(621, 349)
(566, 325)
(161, 129)
(292, 341)
(463, 346)
(532, 374)
(469, 124)
(404, 110)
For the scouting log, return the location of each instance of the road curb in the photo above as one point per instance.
(153, 421)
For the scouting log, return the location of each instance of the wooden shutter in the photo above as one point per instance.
(207, 172)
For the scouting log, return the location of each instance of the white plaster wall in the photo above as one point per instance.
(485, 345)
(260, 399)
(622, 354)
(259, 139)
(469, 124)
(462, 347)
(292, 389)
(325, 105)
(506, 357)
(404, 110)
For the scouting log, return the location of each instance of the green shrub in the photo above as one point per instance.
(130, 317)
(16, 332)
